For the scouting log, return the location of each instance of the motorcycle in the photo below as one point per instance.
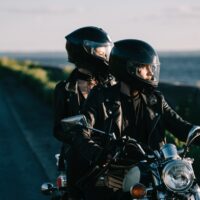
(161, 174)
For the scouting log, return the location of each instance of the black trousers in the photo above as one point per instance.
(77, 167)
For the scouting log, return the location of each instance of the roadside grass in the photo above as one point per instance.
(42, 81)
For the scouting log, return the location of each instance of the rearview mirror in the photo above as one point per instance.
(192, 135)
(70, 122)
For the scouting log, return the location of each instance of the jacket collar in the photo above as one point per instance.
(125, 89)
(72, 86)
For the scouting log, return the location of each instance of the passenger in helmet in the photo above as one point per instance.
(133, 107)
(88, 48)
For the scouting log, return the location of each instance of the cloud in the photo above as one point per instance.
(47, 10)
(167, 13)
(184, 11)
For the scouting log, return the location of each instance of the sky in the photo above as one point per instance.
(41, 25)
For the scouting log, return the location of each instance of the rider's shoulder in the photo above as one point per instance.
(61, 84)
(159, 94)
(102, 94)
(105, 90)
(67, 86)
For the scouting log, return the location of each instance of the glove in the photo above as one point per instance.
(71, 134)
(95, 154)
(87, 148)
(108, 152)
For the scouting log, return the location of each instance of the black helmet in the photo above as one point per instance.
(128, 57)
(89, 48)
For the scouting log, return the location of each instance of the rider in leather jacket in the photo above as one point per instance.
(133, 107)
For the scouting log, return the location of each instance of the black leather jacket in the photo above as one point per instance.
(104, 104)
(68, 101)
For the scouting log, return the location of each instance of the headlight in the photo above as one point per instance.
(178, 176)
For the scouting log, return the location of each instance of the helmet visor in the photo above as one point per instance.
(99, 50)
(147, 72)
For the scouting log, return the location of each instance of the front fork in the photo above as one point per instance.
(196, 192)
(157, 181)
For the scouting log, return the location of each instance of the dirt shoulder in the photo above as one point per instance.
(35, 119)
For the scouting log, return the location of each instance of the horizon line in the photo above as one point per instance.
(64, 51)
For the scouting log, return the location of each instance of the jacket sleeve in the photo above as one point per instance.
(83, 141)
(60, 110)
(174, 123)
